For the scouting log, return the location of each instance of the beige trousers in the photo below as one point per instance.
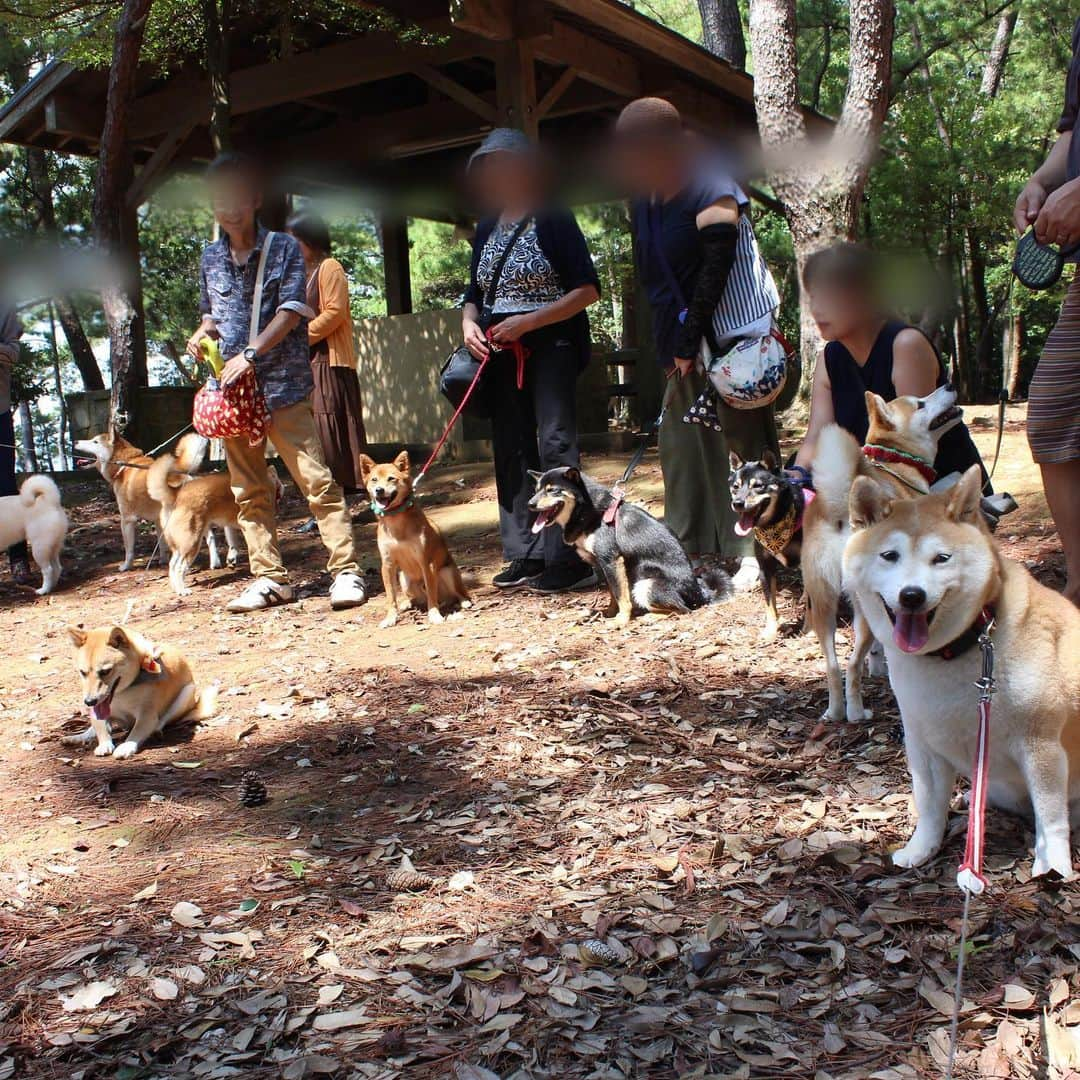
(292, 431)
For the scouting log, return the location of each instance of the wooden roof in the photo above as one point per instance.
(355, 106)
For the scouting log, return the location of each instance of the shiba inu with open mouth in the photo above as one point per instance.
(929, 580)
(898, 457)
(126, 678)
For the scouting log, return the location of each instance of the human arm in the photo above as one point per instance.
(566, 307)
(333, 302)
(821, 413)
(915, 367)
(274, 333)
(10, 332)
(718, 226)
(207, 326)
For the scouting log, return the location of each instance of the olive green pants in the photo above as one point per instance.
(694, 461)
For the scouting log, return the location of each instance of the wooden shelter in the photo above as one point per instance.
(394, 110)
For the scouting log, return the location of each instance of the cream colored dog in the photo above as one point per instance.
(928, 578)
(126, 677)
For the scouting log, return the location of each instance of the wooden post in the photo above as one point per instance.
(515, 87)
(394, 236)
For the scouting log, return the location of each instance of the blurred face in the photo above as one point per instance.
(235, 200)
(838, 310)
(503, 179)
(646, 163)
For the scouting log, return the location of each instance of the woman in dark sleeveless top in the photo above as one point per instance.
(868, 352)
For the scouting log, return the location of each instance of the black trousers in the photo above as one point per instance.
(7, 474)
(533, 428)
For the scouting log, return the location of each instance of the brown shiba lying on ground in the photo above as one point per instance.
(929, 579)
(126, 469)
(193, 506)
(126, 677)
(415, 558)
(901, 445)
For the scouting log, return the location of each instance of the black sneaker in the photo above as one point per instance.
(565, 577)
(519, 572)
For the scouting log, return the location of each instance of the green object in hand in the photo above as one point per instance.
(211, 354)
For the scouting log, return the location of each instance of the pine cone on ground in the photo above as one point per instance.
(595, 951)
(252, 790)
(409, 880)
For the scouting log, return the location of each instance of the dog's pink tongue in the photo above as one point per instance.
(745, 525)
(912, 631)
(102, 710)
(539, 524)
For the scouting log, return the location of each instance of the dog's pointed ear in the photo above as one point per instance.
(118, 638)
(536, 476)
(77, 635)
(965, 498)
(734, 461)
(878, 410)
(402, 463)
(770, 461)
(366, 465)
(573, 474)
(868, 504)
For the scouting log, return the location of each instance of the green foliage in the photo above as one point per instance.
(29, 374)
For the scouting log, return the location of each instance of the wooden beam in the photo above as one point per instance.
(491, 19)
(321, 71)
(665, 44)
(596, 61)
(515, 86)
(65, 116)
(558, 88)
(394, 234)
(32, 96)
(456, 92)
(153, 170)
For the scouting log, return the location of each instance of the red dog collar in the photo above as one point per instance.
(959, 646)
(898, 457)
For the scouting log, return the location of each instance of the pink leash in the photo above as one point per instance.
(521, 354)
(969, 876)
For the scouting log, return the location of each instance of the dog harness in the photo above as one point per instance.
(885, 455)
(776, 537)
(378, 511)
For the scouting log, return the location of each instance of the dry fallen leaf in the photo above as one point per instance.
(164, 989)
(187, 914)
(88, 996)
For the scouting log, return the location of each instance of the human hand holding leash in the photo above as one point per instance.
(683, 365)
(511, 329)
(1028, 204)
(235, 369)
(475, 341)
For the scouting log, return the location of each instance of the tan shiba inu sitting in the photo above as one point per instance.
(126, 677)
(929, 580)
(415, 558)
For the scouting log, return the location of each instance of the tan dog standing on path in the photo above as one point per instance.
(415, 558)
(929, 579)
(125, 676)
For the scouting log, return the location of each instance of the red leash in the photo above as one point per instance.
(521, 354)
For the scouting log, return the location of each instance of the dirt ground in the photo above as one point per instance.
(551, 781)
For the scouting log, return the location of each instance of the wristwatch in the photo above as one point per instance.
(251, 355)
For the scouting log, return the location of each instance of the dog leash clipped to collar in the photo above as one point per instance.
(969, 875)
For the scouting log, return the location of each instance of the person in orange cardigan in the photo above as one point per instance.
(335, 401)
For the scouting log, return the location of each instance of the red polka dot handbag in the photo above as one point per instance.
(229, 412)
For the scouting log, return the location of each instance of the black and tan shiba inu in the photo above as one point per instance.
(643, 565)
(770, 505)
(929, 580)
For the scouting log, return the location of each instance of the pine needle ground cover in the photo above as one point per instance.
(517, 845)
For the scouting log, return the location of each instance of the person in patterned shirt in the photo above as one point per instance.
(278, 353)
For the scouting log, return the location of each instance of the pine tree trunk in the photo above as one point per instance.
(58, 387)
(722, 31)
(215, 20)
(117, 223)
(821, 191)
(26, 437)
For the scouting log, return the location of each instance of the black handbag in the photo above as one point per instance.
(460, 368)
